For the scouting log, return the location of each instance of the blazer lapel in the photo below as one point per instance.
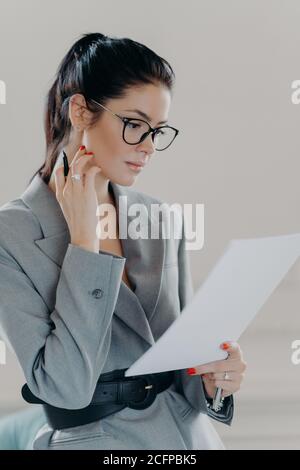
(144, 257)
(55, 246)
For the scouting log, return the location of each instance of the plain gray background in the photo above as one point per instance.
(237, 153)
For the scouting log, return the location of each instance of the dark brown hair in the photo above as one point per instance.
(101, 68)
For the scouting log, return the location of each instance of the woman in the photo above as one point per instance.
(75, 314)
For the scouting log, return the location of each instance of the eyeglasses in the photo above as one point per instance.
(137, 130)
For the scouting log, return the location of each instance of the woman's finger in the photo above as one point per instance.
(232, 348)
(231, 376)
(72, 166)
(227, 385)
(81, 162)
(81, 151)
(79, 169)
(90, 177)
(225, 365)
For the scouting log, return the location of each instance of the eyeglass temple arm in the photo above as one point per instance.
(123, 118)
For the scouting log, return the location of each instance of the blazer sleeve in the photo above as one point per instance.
(192, 386)
(61, 352)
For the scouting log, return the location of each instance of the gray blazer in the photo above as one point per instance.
(68, 316)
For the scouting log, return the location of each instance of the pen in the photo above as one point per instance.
(217, 401)
(66, 164)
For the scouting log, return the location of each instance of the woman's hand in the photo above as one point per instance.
(213, 372)
(78, 200)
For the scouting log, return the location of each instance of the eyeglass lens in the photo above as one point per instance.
(135, 130)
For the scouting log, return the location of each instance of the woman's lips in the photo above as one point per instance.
(134, 167)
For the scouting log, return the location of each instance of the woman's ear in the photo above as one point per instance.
(78, 112)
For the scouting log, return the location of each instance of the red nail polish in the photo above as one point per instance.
(89, 153)
(191, 371)
(82, 147)
(225, 346)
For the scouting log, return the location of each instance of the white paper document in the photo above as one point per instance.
(227, 301)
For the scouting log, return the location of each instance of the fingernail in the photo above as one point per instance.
(89, 153)
(191, 371)
(82, 147)
(225, 345)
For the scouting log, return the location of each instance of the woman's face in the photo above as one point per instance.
(105, 137)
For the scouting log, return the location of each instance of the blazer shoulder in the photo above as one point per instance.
(17, 221)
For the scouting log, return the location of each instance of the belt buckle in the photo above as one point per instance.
(150, 395)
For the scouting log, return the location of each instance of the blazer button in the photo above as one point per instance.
(97, 293)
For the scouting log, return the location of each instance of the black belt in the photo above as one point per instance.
(113, 392)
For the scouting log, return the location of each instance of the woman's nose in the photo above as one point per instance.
(147, 145)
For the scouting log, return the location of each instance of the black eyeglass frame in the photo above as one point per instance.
(152, 130)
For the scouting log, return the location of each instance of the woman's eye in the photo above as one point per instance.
(134, 125)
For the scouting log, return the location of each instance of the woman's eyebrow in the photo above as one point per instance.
(144, 115)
